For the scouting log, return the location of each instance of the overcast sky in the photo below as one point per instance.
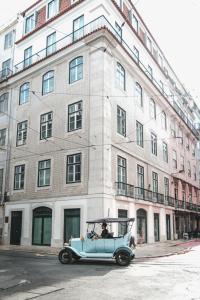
(175, 24)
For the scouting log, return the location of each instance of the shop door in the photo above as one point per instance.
(71, 224)
(141, 226)
(16, 227)
(42, 224)
(156, 228)
(168, 227)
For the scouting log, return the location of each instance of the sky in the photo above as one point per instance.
(175, 24)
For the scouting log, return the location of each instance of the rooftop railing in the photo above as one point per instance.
(91, 27)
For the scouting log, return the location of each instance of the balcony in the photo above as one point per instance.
(124, 189)
(180, 204)
(128, 190)
(148, 195)
(169, 201)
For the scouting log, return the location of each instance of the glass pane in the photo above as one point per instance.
(37, 231)
(47, 231)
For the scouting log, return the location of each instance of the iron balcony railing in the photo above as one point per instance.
(169, 201)
(91, 27)
(128, 190)
(124, 189)
(180, 204)
(148, 195)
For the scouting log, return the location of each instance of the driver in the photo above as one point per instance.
(104, 233)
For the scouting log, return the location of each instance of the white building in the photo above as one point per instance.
(7, 45)
(100, 124)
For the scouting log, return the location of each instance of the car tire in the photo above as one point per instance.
(65, 256)
(123, 258)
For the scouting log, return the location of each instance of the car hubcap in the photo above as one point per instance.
(65, 257)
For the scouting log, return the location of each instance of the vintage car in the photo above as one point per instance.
(93, 246)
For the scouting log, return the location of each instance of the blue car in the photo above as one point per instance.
(104, 246)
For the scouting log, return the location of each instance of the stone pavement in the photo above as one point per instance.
(143, 251)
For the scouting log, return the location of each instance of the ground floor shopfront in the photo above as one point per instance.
(186, 222)
(52, 222)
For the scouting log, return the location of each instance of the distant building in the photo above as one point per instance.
(99, 123)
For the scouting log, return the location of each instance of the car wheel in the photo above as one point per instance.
(65, 256)
(132, 256)
(123, 258)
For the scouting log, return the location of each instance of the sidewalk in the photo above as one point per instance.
(142, 251)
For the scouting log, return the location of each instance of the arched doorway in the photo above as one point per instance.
(141, 226)
(42, 223)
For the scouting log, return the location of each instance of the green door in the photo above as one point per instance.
(42, 225)
(71, 224)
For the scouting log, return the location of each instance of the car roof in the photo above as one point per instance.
(111, 220)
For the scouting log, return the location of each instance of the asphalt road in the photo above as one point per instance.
(27, 276)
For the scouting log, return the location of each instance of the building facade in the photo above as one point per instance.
(99, 125)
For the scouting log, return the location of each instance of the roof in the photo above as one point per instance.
(111, 220)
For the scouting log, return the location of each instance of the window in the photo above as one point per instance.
(19, 177)
(48, 83)
(155, 182)
(182, 164)
(44, 172)
(160, 60)
(76, 69)
(149, 44)
(150, 72)
(51, 44)
(180, 136)
(6, 68)
(153, 144)
(138, 94)
(166, 186)
(193, 148)
(75, 116)
(152, 109)
(78, 28)
(1, 183)
(174, 159)
(164, 120)
(120, 77)
(74, 168)
(161, 86)
(121, 121)
(140, 176)
(165, 152)
(4, 103)
(46, 125)
(118, 30)
(8, 41)
(189, 169)
(173, 130)
(2, 137)
(135, 23)
(24, 93)
(139, 134)
(22, 133)
(136, 54)
(121, 169)
(194, 173)
(52, 9)
(187, 143)
(29, 23)
(27, 57)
